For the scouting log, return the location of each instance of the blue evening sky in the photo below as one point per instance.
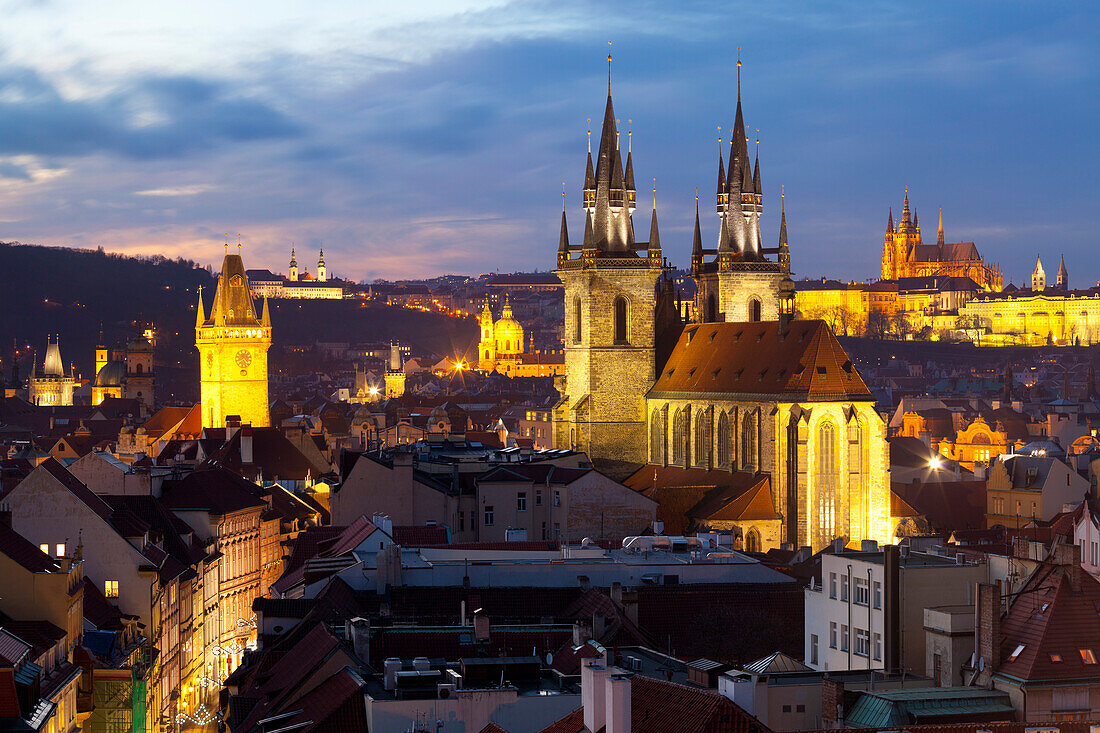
(422, 138)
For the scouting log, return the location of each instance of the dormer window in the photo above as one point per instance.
(1087, 656)
(1016, 652)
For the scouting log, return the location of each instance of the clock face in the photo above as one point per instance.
(244, 358)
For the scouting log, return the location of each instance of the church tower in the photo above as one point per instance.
(293, 274)
(322, 271)
(740, 283)
(395, 374)
(609, 311)
(1062, 278)
(1038, 276)
(233, 346)
(487, 347)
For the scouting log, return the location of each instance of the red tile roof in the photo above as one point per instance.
(351, 537)
(1055, 616)
(804, 362)
(949, 506)
(23, 553)
(688, 497)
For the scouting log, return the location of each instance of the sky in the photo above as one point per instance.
(423, 138)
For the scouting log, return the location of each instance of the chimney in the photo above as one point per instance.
(593, 693)
(832, 702)
(598, 624)
(481, 626)
(868, 546)
(383, 522)
(246, 444)
(987, 624)
(617, 709)
(358, 632)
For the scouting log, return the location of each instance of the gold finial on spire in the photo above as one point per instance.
(238, 243)
(654, 194)
(629, 134)
(758, 141)
(563, 196)
(609, 67)
(227, 242)
(616, 134)
(696, 196)
(588, 132)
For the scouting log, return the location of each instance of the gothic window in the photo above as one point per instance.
(657, 439)
(752, 541)
(748, 442)
(679, 437)
(620, 320)
(702, 438)
(754, 310)
(857, 474)
(826, 482)
(236, 280)
(723, 441)
(576, 320)
(712, 309)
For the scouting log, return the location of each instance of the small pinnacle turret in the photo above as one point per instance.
(939, 234)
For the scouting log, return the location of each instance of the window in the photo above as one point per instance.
(878, 594)
(832, 634)
(863, 642)
(800, 708)
(1087, 656)
(521, 501)
(1017, 651)
(488, 516)
(110, 588)
(544, 531)
(712, 308)
(861, 594)
(538, 497)
(1056, 658)
(557, 498)
(878, 647)
(843, 587)
(576, 320)
(557, 530)
(754, 310)
(45, 547)
(844, 638)
(813, 648)
(620, 320)
(786, 708)
(1094, 556)
(724, 441)
(752, 541)
(998, 505)
(832, 585)
(826, 483)
(60, 549)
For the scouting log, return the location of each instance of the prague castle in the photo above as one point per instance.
(233, 345)
(749, 420)
(905, 255)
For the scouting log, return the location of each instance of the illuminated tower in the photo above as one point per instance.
(322, 271)
(233, 346)
(51, 387)
(487, 347)
(740, 283)
(1063, 275)
(293, 275)
(395, 374)
(609, 313)
(1038, 276)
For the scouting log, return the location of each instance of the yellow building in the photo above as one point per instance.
(1035, 317)
(501, 348)
(977, 444)
(233, 346)
(126, 374)
(395, 375)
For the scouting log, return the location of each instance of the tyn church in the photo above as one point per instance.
(746, 421)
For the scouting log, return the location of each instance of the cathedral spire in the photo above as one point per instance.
(200, 312)
(756, 168)
(265, 319)
(697, 238)
(905, 208)
(1062, 278)
(563, 238)
(654, 236)
(890, 221)
(939, 235)
(721, 169)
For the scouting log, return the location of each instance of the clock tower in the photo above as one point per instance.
(233, 346)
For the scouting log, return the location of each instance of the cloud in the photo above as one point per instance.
(192, 190)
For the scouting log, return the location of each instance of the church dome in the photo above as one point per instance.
(111, 375)
(508, 334)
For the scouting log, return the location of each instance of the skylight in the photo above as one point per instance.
(1055, 657)
(1087, 656)
(1015, 653)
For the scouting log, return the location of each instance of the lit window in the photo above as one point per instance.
(45, 548)
(60, 549)
(1015, 653)
(1055, 657)
(110, 588)
(1087, 656)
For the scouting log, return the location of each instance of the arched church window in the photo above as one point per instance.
(702, 438)
(679, 437)
(723, 441)
(139, 369)
(657, 438)
(826, 482)
(752, 541)
(748, 442)
(576, 320)
(620, 320)
(754, 310)
(712, 308)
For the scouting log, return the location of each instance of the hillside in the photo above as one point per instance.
(70, 292)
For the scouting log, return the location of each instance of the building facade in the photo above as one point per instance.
(233, 346)
(51, 387)
(125, 374)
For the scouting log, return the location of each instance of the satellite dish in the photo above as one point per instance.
(549, 659)
(981, 664)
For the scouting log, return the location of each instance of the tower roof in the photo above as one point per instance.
(233, 300)
(654, 236)
(52, 366)
(697, 238)
(1038, 267)
(1063, 274)
(939, 234)
(563, 238)
(783, 222)
(890, 221)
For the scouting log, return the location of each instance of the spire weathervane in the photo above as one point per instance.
(563, 196)
(654, 194)
(238, 244)
(588, 132)
(738, 72)
(609, 68)
(629, 134)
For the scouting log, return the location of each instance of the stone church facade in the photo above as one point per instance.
(746, 421)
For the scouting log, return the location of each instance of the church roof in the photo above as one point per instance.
(233, 300)
(803, 362)
(112, 374)
(52, 365)
(950, 252)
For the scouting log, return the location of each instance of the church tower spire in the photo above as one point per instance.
(696, 245)
(784, 249)
(1062, 278)
(939, 234)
